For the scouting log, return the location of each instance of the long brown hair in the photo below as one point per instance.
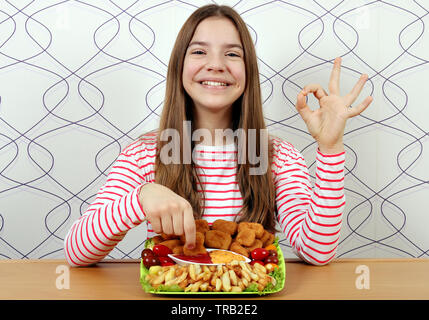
(257, 190)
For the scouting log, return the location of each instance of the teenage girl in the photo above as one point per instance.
(213, 83)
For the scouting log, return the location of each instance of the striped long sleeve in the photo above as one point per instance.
(310, 217)
(115, 210)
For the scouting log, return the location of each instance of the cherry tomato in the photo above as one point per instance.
(272, 253)
(147, 252)
(257, 261)
(161, 251)
(259, 254)
(166, 261)
(271, 259)
(150, 261)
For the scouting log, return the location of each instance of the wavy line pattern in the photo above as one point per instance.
(80, 79)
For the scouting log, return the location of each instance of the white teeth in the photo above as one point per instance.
(214, 83)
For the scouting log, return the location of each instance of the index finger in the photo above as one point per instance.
(189, 227)
(334, 81)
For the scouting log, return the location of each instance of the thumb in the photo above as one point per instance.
(301, 105)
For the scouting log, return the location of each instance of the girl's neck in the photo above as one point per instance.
(213, 124)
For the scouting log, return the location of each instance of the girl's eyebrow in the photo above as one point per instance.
(205, 44)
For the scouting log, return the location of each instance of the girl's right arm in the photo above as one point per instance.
(128, 198)
(116, 209)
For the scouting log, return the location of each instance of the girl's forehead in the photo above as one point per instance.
(217, 28)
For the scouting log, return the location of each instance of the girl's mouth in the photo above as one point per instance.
(214, 84)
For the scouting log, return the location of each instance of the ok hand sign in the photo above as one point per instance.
(327, 123)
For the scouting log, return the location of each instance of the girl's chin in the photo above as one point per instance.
(213, 107)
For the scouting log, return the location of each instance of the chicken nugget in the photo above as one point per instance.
(168, 236)
(229, 227)
(246, 236)
(256, 244)
(178, 250)
(217, 239)
(157, 239)
(265, 236)
(259, 228)
(236, 247)
(199, 246)
(171, 243)
(202, 226)
(270, 239)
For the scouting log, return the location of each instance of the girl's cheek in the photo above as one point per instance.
(190, 69)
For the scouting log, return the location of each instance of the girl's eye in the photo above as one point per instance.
(232, 54)
(198, 52)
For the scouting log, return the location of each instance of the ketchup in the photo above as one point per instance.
(201, 258)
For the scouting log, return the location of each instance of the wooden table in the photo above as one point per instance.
(119, 280)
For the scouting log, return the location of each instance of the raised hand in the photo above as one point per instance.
(327, 123)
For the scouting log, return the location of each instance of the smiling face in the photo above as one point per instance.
(214, 74)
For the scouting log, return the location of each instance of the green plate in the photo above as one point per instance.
(279, 275)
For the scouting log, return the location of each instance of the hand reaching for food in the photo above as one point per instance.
(167, 212)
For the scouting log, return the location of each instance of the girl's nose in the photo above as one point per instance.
(215, 64)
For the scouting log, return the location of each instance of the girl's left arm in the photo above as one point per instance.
(310, 217)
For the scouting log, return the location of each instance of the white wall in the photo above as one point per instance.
(80, 79)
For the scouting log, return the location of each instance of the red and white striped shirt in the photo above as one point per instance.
(310, 217)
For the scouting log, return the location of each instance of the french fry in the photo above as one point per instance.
(273, 280)
(204, 286)
(233, 277)
(159, 279)
(213, 280)
(226, 282)
(200, 276)
(170, 274)
(196, 286)
(236, 289)
(219, 270)
(263, 281)
(182, 277)
(254, 276)
(218, 284)
(192, 272)
(183, 284)
(197, 269)
(261, 275)
(260, 268)
(246, 275)
(207, 275)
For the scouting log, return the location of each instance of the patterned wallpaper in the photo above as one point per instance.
(79, 80)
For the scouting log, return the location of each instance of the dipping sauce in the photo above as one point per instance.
(222, 256)
(201, 258)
